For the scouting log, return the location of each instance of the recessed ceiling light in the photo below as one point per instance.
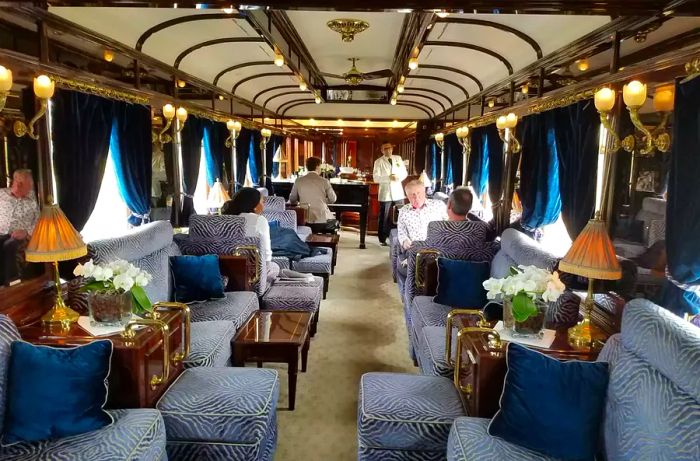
(404, 10)
(279, 59)
(413, 63)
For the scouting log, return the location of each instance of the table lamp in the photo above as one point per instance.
(217, 195)
(592, 255)
(55, 239)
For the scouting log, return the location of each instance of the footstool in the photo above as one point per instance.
(222, 413)
(404, 416)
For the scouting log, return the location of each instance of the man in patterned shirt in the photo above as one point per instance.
(18, 215)
(415, 216)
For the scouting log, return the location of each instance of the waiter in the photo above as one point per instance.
(389, 171)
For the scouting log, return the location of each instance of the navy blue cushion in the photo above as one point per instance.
(553, 407)
(56, 392)
(460, 283)
(196, 278)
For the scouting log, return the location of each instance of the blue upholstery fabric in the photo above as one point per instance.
(217, 226)
(517, 248)
(56, 392)
(210, 343)
(469, 441)
(430, 351)
(426, 312)
(294, 296)
(236, 307)
(282, 262)
(319, 264)
(658, 355)
(460, 283)
(394, 252)
(135, 435)
(303, 232)
(197, 278)
(221, 413)
(405, 412)
(549, 406)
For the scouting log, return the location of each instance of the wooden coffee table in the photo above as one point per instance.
(275, 336)
(325, 241)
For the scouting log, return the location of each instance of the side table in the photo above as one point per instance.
(275, 336)
(325, 241)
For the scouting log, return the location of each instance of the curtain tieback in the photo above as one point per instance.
(145, 218)
(683, 286)
(187, 195)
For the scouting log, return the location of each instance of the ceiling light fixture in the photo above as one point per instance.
(221, 97)
(582, 65)
(317, 99)
(395, 123)
(181, 83)
(302, 85)
(400, 87)
(413, 63)
(393, 101)
(526, 88)
(108, 55)
(442, 14)
(279, 59)
(492, 102)
(347, 28)
(404, 10)
(228, 10)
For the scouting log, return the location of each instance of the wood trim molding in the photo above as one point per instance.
(241, 66)
(495, 25)
(439, 79)
(452, 69)
(263, 75)
(216, 41)
(274, 88)
(182, 20)
(470, 46)
(418, 95)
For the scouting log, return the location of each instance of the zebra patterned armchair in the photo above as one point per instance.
(653, 399)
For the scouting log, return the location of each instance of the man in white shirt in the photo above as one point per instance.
(318, 193)
(389, 171)
(415, 216)
(18, 215)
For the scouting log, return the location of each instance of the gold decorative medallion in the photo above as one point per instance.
(347, 28)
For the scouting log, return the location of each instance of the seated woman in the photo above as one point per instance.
(248, 203)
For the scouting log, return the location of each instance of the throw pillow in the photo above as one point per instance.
(552, 407)
(56, 392)
(460, 283)
(196, 278)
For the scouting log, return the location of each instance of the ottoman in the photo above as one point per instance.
(405, 417)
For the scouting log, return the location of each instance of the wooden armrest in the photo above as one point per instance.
(423, 255)
(237, 270)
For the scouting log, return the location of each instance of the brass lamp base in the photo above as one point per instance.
(60, 314)
(580, 335)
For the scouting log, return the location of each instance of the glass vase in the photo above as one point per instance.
(508, 313)
(533, 326)
(109, 309)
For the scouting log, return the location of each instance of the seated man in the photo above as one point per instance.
(18, 215)
(415, 216)
(318, 193)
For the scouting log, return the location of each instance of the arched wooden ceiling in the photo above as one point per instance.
(459, 56)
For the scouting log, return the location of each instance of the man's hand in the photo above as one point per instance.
(406, 244)
(19, 234)
(393, 177)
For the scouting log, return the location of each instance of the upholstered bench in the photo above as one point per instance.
(403, 416)
(222, 413)
(430, 352)
(291, 295)
(210, 344)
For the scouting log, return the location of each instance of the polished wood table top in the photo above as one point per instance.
(323, 239)
(275, 327)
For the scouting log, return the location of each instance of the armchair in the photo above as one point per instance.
(653, 397)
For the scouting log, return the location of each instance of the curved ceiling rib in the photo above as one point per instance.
(495, 25)
(418, 95)
(273, 88)
(286, 93)
(436, 93)
(241, 66)
(452, 69)
(182, 20)
(216, 41)
(470, 46)
(263, 75)
(416, 105)
(291, 104)
(439, 79)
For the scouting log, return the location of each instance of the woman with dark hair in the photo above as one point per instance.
(248, 203)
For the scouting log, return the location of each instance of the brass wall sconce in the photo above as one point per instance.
(234, 128)
(265, 133)
(463, 138)
(5, 85)
(413, 63)
(169, 113)
(43, 89)
(347, 28)
(508, 122)
(634, 95)
(440, 141)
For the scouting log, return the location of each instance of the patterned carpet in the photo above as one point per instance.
(361, 329)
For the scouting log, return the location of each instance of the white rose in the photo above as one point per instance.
(118, 266)
(98, 273)
(493, 287)
(88, 269)
(141, 280)
(123, 282)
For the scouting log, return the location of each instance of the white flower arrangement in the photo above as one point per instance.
(118, 276)
(327, 169)
(524, 286)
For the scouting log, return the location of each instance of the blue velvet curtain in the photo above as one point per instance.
(493, 148)
(576, 128)
(453, 151)
(539, 172)
(479, 161)
(215, 150)
(132, 154)
(82, 124)
(242, 154)
(254, 156)
(683, 207)
(433, 162)
(191, 145)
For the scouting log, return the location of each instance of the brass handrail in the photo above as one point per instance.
(448, 332)
(186, 320)
(418, 276)
(165, 331)
(495, 342)
(239, 251)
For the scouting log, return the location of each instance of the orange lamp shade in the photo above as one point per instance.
(54, 238)
(592, 254)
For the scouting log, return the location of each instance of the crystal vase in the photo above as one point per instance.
(109, 309)
(508, 313)
(531, 327)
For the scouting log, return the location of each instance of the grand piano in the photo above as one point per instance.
(352, 197)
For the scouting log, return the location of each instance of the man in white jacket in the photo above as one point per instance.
(389, 171)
